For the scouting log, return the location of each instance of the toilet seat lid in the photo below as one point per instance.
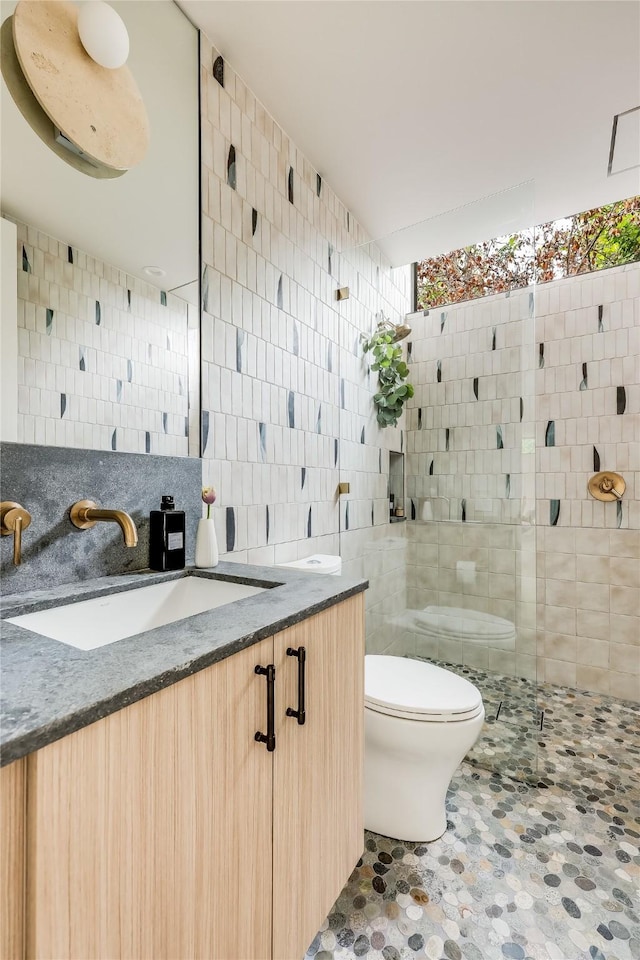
(402, 687)
(464, 624)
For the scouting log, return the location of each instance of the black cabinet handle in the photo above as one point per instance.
(301, 654)
(270, 736)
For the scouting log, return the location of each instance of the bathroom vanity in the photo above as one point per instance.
(193, 791)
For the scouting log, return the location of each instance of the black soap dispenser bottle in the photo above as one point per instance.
(166, 537)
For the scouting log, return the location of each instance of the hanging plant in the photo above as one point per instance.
(392, 372)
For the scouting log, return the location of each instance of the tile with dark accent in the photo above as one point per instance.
(554, 512)
(550, 434)
(147, 442)
(290, 185)
(291, 408)
(204, 419)
(541, 355)
(600, 318)
(49, 321)
(231, 168)
(596, 460)
(98, 313)
(279, 294)
(254, 221)
(239, 344)
(230, 524)
(205, 289)
(262, 435)
(475, 387)
(499, 438)
(218, 70)
(584, 383)
(63, 404)
(309, 523)
(621, 400)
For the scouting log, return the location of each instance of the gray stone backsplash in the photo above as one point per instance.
(46, 481)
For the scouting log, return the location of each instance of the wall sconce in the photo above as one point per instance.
(342, 293)
(65, 69)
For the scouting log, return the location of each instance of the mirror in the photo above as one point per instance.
(107, 309)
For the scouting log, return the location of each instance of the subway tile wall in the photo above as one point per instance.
(519, 400)
(287, 395)
(102, 356)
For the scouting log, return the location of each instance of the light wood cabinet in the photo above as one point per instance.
(12, 860)
(148, 830)
(167, 831)
(318, 831)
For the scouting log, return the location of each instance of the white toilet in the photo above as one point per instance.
(420, 722)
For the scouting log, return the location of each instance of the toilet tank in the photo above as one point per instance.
(316, 563)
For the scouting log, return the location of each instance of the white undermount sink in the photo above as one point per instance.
(94, 623)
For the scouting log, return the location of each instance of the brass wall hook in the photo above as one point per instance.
(13, 520)
(607, 486)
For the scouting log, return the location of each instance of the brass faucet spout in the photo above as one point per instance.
(85, 514)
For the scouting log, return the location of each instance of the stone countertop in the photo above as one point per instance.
(49, 689)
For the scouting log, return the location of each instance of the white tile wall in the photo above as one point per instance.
(102, 361)
(287, 397)
(558, 371)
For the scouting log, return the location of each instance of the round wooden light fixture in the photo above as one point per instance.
(98, 111)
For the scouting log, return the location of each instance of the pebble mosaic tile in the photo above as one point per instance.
(527, 871)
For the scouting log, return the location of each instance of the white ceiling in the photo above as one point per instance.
(411, 108)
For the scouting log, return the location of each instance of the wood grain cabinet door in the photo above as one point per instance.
(149, 832)
(12, 812)
(317, 792)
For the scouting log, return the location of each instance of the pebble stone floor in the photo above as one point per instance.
(542, 867)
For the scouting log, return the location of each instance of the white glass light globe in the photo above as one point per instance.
(103, 34)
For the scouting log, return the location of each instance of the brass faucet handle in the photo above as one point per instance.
(607, 486)
(13, 520)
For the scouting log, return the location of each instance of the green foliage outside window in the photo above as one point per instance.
(608, 236)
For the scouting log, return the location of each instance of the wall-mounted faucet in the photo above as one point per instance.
(13, 520)
(86, 513)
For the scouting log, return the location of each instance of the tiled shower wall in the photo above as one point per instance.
(287, 397)
(102, 356)
(477, 407)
